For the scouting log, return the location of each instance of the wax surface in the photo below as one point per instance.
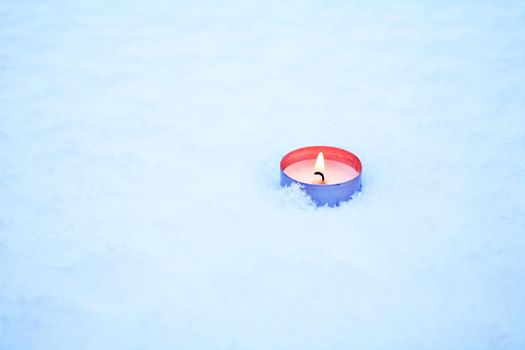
(335, 172)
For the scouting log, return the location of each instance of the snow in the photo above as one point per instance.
(140, 205)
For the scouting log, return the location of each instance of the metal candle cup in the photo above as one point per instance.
(330, 192)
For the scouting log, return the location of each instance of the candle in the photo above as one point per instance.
(329, 175)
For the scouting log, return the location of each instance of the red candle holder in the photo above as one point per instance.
(338, 181)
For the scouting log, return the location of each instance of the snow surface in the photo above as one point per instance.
(140, 205)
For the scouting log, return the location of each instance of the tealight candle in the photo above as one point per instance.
(329, 175)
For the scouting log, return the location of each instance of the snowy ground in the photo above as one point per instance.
(139, 199)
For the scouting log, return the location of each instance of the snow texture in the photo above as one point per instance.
(140, 205)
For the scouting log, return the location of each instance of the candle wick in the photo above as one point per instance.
(319, 173)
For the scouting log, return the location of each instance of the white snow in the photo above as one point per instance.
(140, 205)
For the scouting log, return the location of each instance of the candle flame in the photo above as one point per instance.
(319, 163)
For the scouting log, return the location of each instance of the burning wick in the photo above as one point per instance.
(319, 165)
